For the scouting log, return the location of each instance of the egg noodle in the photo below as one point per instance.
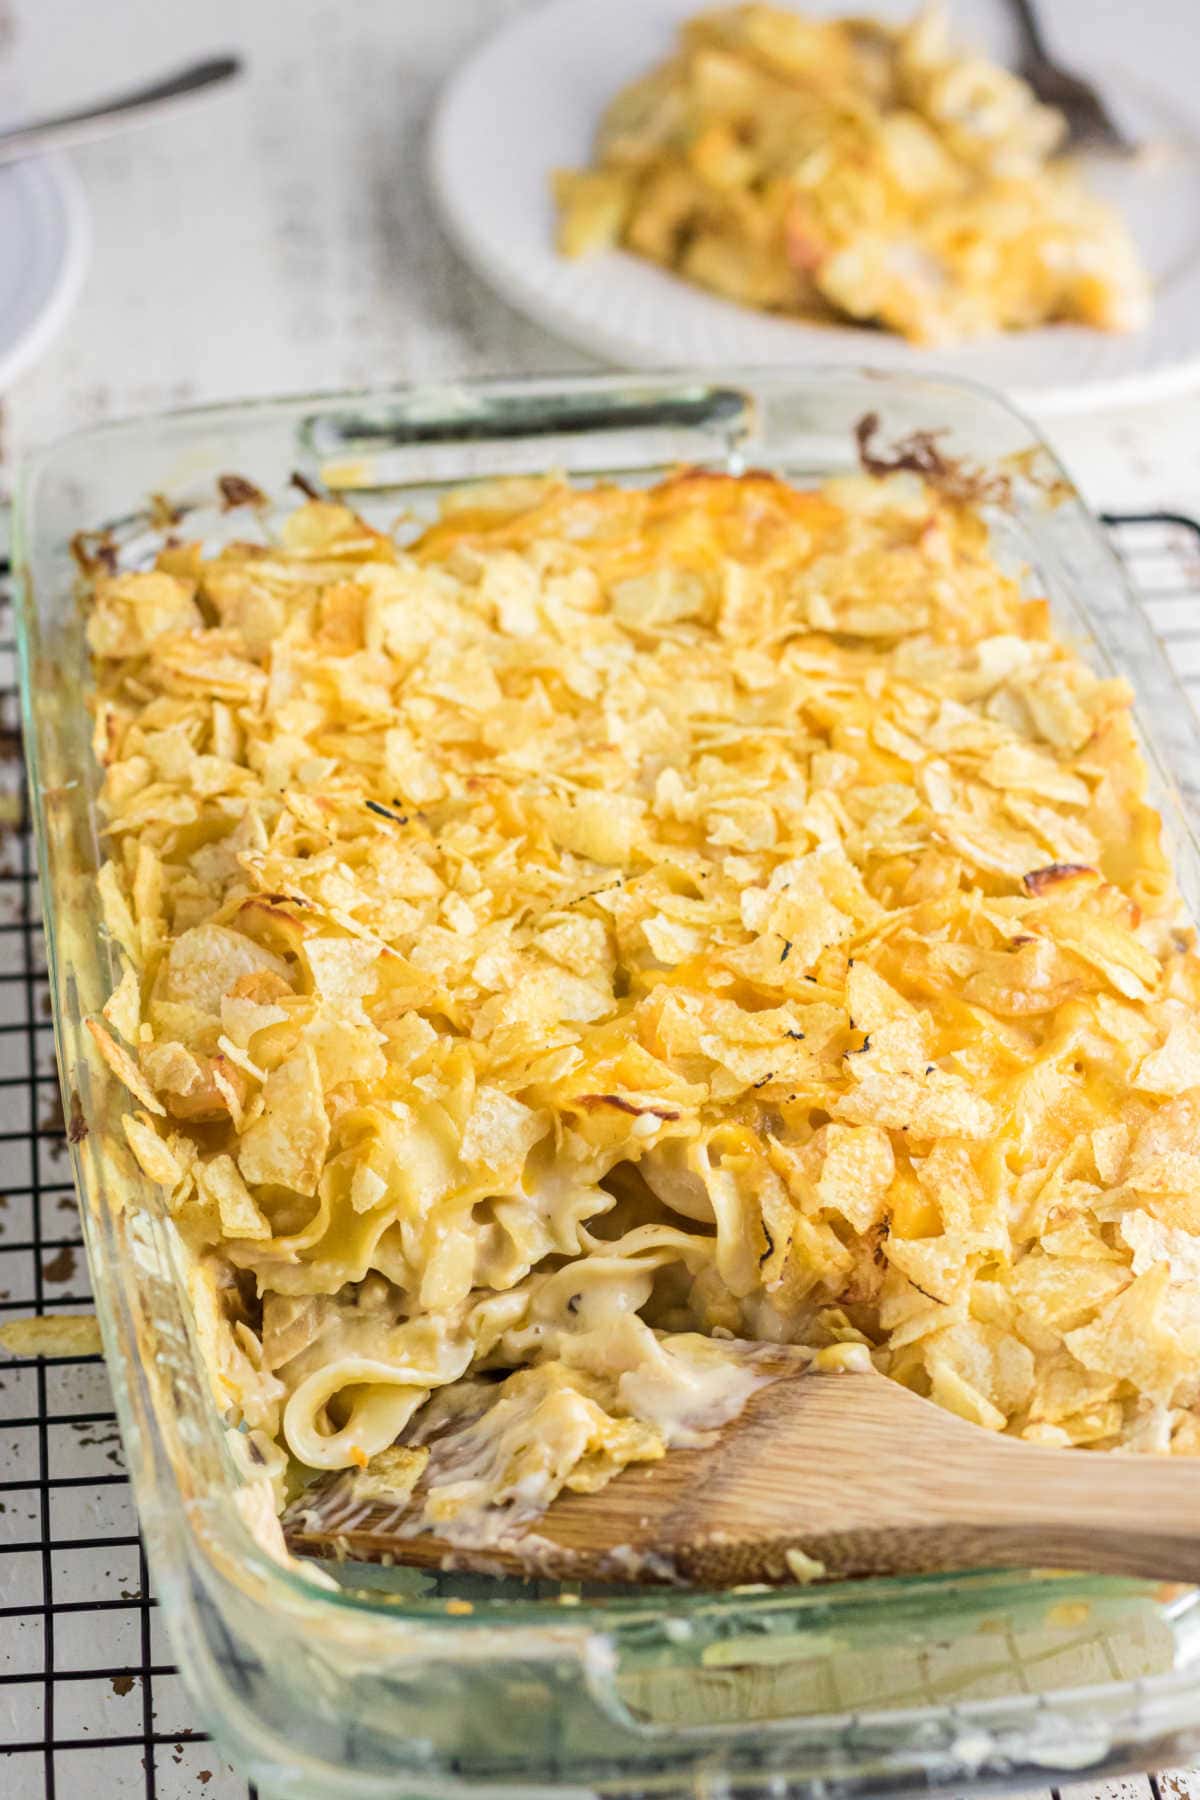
(847, 169)
(624, 926)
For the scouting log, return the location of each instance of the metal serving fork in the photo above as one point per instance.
(88, 122)
(1090, 125)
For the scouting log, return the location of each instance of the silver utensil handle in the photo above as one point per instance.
(1030, 28)
(108, 115)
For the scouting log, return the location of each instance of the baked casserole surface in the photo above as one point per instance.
(619, 926)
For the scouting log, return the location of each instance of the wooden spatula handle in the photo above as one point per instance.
(867, 1478)
(1013, 1503)
(1141, 1521)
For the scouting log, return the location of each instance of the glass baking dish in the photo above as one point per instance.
(384, 1682)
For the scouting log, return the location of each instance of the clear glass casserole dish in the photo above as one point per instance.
(389, 1682)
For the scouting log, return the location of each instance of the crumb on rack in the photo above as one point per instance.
(60, 1334)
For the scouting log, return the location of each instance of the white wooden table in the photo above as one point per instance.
(279, 238)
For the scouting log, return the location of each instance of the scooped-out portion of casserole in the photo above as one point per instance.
(623, 926)
(848, 170)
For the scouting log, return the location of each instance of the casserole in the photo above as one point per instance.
(389, 1682)
(836, 169)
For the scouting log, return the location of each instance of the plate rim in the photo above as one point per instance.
(1085, 394)
(61, 182)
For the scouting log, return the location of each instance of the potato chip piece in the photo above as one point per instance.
(1175, 1066)
(172, 1068)
(123, 1008)
(153, 1157)
(938, 1266)
(897, 1033)
(601, 827)
(1174, 1173)
(538, 1000)
(1152, 1242)
(1095, 1424)
(872, 1002)
(932, 1105)
(1185, 1433)
(672, 942)
(220, 1093)
(1181, 1210)
(209, 664)
(660, 597)
(985, 844)
(241, 1019)
(856, 1173)
(1169, 1131)
(1107, 947)
(286, 1147)
(325, 528)
(803, 1568)
(218, 1180)
(797, 915)
(342, 969)
(580, 944)
(1063, 1387)
(1055, 1293)
(1051, 1437)
(114, 910)
(1078, 1236)
(1130, 1338)
(1057, 715)
(238, 1377)
(348, 1048)
(501, 1132)
(910, 1316)
(133, 611)
(1028, 770)
(205, 962)
(625, 1441)
(991, 1358)
(1110, 1146)
(234, 1054)
(966, 1207)
(1035, 977)
(949, 1389)
(123, 1067)
(1054, 877)
(815, 1258)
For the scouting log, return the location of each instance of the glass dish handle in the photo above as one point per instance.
(395, 443)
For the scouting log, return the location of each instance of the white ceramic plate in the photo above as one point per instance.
(528, 101)
(43, 253)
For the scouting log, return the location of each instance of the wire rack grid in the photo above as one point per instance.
(89, 1700)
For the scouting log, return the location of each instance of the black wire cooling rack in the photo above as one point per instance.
(89, 1700)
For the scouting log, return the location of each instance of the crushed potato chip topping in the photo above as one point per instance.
(631, 922)
(847, 169)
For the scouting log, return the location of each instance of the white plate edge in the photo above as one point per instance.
(1145, 386)
(16, 357)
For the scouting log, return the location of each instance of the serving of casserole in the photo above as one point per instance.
(836, 169)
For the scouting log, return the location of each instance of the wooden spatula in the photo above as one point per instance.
(849, 1470)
